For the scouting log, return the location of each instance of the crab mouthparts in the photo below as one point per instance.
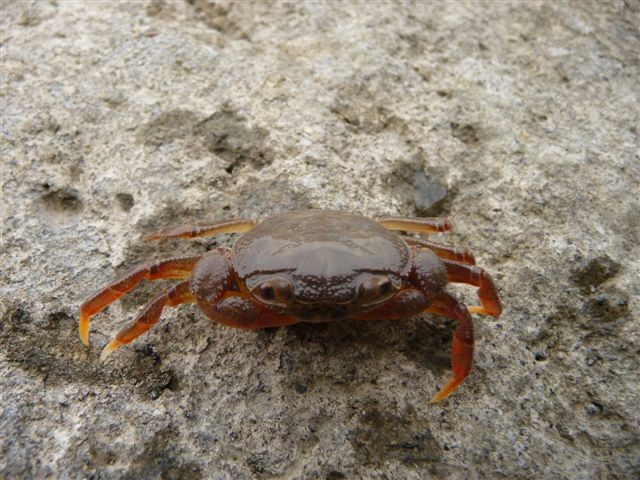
(323, 314)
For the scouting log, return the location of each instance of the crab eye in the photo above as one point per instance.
(375, 289)
(275, 291)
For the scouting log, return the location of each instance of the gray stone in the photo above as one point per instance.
(120, 118)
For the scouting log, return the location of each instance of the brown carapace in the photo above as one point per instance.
(313, 266)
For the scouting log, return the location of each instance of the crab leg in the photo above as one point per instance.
(462, 346)
(422, 225)
(176, 295)
(192, 231)
(173, 268)
(470, 274)
(458, 254)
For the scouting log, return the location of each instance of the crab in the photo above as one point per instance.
(312, 266)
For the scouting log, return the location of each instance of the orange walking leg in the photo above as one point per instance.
(173, 268)
(422, 225)
(470, 274)
(192, 231)
(462, 346)
(458, 254)
(176, 295)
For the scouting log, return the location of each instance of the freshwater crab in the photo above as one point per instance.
(312, 266)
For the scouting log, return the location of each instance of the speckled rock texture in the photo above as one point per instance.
(517, 120)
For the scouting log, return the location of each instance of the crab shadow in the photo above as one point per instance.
(49, 349)
(353, 352)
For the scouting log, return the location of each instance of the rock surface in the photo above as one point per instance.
(519, 121)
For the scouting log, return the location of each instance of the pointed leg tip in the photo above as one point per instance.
(447, 390)
(105, 354)
(108, 349)
(438, 397)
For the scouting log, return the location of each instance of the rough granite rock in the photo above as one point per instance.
(517, 120)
